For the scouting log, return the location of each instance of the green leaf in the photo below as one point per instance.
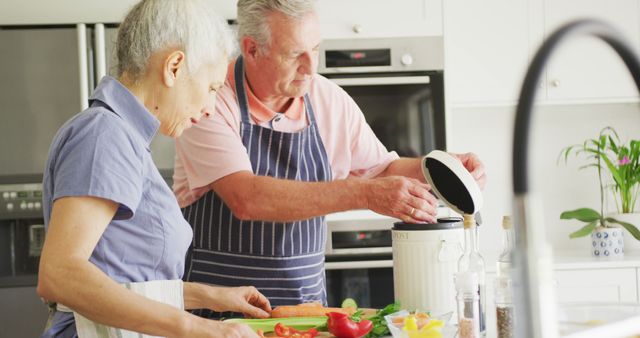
(613, 145)
(630, 227)
(614, 171)
(585, 231)
(582, 214)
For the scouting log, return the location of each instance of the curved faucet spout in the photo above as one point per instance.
(535, 302)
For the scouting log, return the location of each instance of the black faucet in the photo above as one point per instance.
(534, 301)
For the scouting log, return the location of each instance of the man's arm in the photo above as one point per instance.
(265, 198)
(405, 166)
(412, 167)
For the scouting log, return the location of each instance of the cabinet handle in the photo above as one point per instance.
(356, 265)
(357, 28)
(555, 83)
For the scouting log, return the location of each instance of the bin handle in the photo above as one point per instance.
(449, 250)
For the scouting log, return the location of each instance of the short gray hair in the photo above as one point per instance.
(252, 16)
(154, 25)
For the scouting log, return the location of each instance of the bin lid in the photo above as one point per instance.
(444, 223)
(452, 182)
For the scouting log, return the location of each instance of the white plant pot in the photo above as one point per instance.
(630, 243)
(607, 242)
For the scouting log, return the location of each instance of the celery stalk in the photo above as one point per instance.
(267, 325)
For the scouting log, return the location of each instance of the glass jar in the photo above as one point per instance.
(468, 302)
(504, 307)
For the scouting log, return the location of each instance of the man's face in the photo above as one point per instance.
(287, 64)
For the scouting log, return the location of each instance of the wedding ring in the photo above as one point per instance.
(412, 210)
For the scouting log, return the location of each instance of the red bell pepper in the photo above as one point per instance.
(289, 332)
(341, 326)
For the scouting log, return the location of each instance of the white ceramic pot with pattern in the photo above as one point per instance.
(630, 243)
(607, 242)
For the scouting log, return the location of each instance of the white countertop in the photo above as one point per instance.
(577, 260)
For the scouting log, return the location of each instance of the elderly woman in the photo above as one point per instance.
(116, 239)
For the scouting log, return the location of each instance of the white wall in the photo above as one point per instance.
(488, 132)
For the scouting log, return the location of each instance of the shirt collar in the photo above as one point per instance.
(124, 104)
(258, 110)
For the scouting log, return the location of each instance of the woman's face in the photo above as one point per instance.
(192, 97)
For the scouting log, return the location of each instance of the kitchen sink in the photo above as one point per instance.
(585, 320)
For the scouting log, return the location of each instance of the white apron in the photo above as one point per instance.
(164, 291)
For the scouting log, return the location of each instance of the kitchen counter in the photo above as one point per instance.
(577, 260)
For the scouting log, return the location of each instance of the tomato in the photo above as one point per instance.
(288, 332)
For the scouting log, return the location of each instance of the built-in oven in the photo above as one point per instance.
(397, 83)
(358, 261)
(21, 233)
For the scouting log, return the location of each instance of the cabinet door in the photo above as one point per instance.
(586, 68)
(486, 50)
(34, 12)
(379, 18)
(601, 285)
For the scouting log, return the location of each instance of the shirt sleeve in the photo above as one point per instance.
(100, 160)
(369, 157)
(213, 148)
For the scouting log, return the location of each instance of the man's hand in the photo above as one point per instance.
(473, 164)
(405, 198)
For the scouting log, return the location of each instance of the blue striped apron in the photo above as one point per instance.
(283, 260)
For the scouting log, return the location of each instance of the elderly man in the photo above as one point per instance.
(285, 147)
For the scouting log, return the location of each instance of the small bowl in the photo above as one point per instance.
(447, 331)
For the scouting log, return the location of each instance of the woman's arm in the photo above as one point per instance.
(66, 276)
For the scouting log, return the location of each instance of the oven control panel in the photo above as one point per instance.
(20, 198)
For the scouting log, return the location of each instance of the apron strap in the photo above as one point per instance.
(238, 74)
(309, 108)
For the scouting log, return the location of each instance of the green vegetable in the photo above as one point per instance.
(349, 302)
(379, 323)
(298, 323)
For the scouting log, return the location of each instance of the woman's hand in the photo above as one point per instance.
(206, 328)
(245, 299)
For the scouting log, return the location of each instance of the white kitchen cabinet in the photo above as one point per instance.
(486, 50)
(586, 68)
(38, 12)
(379, 18)
(597, 285)
(489, 44)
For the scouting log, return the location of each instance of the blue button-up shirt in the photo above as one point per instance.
(104, 152)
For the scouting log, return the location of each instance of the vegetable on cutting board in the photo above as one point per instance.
(343, 326)
(269, 324)
(307, 310)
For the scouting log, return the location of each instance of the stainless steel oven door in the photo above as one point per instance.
(368, 280)
(405, 111)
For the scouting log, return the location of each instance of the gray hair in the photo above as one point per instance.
(252, 16)
(154, 25)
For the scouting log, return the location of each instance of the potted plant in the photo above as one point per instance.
(622, 163)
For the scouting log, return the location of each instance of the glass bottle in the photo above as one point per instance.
(505, 263)
(472, 261)
(468, 302)
(504, 307)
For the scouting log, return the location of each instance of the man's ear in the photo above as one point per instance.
(174, 65)
(249, 48)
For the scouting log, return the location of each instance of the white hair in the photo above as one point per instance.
(253, 14)
(155, 25)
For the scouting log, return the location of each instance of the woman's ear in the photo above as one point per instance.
(174, 65)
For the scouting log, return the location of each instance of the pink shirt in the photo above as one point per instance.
(213, 148)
